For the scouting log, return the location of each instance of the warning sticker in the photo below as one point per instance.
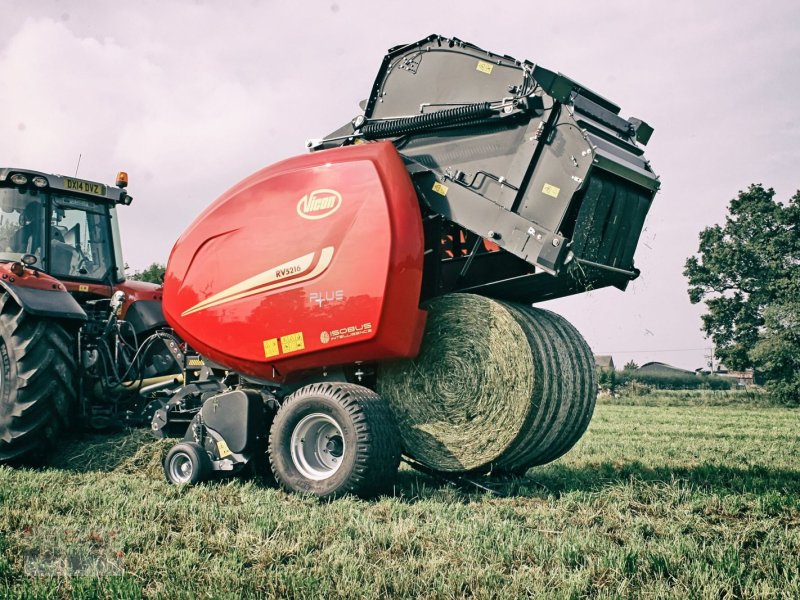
(484, 67)
(222, 449)
(551, 190)
(440, 188)
(292, 342)
(271, 348)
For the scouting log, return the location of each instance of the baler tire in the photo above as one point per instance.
(38, 383)
(187, 463)
(363, 449)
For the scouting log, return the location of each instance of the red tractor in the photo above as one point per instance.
(76, 337)
(468, 172)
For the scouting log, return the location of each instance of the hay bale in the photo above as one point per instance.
(564, 395)
(495, 386)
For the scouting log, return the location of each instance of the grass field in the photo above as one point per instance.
(670, 499)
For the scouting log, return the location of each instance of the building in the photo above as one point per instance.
(742, 378)
(604, 361)
(659, 368)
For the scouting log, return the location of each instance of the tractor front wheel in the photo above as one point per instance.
(331, 439)
(38, 384)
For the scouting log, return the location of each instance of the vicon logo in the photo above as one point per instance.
(319, 204)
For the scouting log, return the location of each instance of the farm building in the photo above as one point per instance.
(659, 368)
(742, 378)
(604, 361)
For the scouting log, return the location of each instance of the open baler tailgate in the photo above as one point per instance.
(516, 155)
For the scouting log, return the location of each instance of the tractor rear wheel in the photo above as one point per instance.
(331, 439)
(38, 382)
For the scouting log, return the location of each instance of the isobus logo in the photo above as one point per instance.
(319, 204)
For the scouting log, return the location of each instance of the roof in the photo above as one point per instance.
(659, 367)
(604, 361)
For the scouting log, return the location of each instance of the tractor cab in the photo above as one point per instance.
(64, 226)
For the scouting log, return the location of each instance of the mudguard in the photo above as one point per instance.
(53, 302)
(145, 315)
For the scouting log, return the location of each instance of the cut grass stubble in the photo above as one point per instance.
(654, 500)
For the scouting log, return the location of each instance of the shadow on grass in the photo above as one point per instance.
(556, 480)
(136, 452)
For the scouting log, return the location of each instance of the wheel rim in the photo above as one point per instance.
(181, 468)
(317, 446)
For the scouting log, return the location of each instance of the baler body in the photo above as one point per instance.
(315, 261)
(479, 173)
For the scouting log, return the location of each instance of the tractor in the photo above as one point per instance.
(78, 341)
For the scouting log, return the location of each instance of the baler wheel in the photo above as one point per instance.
(331, 439)
(38, 390)
(187, 462)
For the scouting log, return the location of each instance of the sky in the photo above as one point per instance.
(191, 97)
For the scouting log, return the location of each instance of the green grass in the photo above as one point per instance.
(655, 501)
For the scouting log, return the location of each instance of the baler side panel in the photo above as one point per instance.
(320, 264)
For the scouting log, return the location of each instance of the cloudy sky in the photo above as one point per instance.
(190, 97)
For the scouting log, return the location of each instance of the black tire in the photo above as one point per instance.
(353, 443)
(187, 462)
(38, 383)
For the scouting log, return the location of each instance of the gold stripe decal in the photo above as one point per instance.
(294, 271)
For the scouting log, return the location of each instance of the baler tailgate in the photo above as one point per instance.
(531, 161)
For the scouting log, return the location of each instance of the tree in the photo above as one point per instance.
(154, 274)
(630, 366)
(747, 272)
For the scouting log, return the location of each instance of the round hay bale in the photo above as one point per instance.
(496, 385)
(566, 394)
(463, 400)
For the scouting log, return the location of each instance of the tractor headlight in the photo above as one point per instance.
(19, 179)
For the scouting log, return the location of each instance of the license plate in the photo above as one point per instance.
(87, 187)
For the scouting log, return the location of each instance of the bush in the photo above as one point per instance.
(633, 387)
(674, 381)
(607, 379)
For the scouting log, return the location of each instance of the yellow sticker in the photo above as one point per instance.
(83, 288)
(222, 449)
(440, 188)
(551, 190)
(484, 67)
(292, 342)
(271, 348)
(89, 187)
(195, 362)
